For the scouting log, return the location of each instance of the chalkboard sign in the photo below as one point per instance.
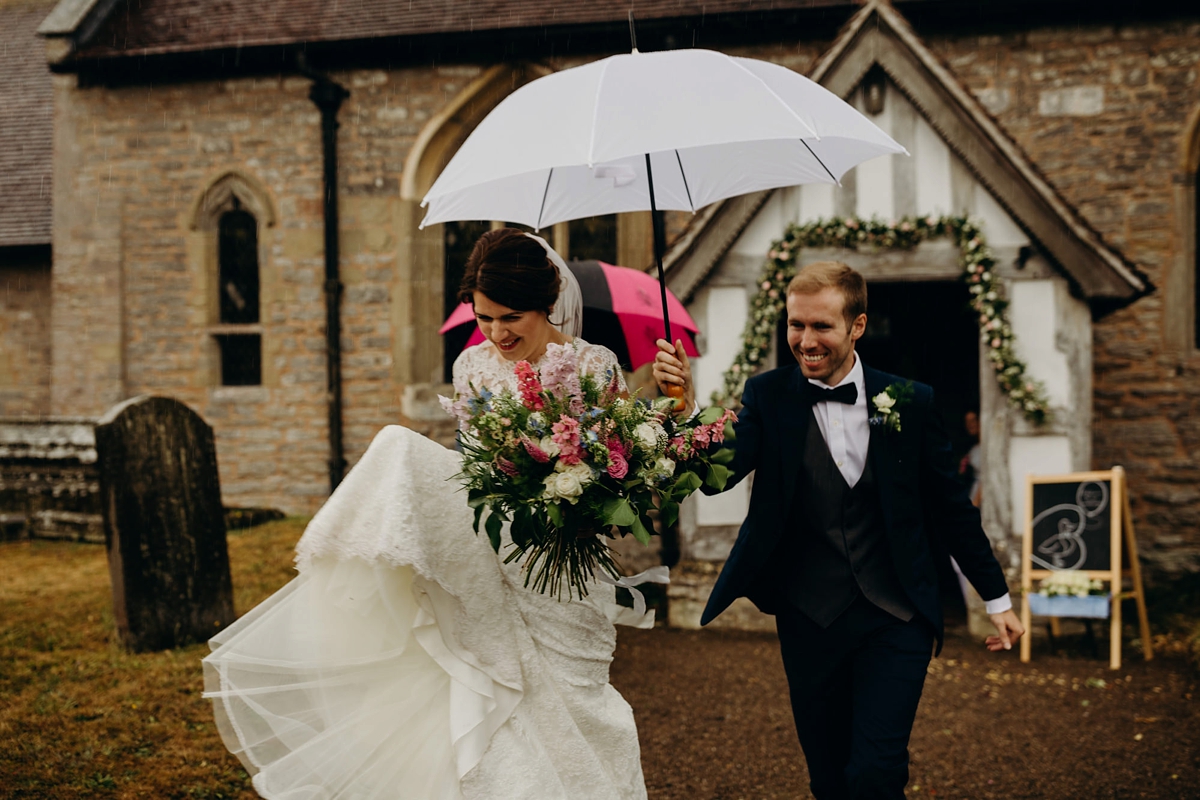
(1072, 525)
(1082, 523)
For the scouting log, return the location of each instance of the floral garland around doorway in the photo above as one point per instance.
(987, 300)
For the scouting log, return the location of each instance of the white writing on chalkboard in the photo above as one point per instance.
(1066, 549)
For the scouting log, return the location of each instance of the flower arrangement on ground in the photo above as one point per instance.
(571, 459)
(1069, 593)
(1069, 583)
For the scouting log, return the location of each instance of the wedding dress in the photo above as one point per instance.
(406, 661)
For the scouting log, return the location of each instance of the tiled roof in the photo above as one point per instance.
(175, 26)
(26, 127)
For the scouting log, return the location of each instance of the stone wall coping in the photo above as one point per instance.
(61, 439)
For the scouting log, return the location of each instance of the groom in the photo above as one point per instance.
(855, 490)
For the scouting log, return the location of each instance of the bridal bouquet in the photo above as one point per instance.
(571, 456)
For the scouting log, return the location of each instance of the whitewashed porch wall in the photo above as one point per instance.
(1053, 328)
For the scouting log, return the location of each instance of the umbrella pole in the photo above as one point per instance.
(660, 246)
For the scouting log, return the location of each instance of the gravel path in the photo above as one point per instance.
(715, 724)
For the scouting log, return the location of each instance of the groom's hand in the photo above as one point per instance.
(672, 369)
(1008, 630)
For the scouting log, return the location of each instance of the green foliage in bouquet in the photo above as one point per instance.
(572, 460)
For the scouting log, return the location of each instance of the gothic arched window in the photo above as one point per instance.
(231, 214)
(237, 257)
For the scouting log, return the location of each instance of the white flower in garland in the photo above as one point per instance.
(987, 298)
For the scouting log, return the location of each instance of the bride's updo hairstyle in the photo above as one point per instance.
(511, 269)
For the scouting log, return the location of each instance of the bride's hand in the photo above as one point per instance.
(673, 374)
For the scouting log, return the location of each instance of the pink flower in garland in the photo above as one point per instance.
(529, 385)
(566, 436)
(507, 467)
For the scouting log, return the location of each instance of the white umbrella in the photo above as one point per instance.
(673, 130)
(698, 125)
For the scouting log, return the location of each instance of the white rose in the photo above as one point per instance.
(582, 472)
(567, 486)
(664, 467)
(549, 446)
(648, 434)
(884, 402)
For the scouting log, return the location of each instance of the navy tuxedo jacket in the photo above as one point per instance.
(924, 505)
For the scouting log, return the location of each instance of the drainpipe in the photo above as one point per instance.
(328, 97)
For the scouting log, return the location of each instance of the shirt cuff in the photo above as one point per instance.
(999, 605)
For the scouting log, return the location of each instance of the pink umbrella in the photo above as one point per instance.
(621, 310)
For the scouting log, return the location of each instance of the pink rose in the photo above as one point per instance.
(618, 467)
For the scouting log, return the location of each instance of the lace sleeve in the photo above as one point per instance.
(476, 367)
(458, 373)
(598, 360)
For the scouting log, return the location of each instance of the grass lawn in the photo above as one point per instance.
(79, 716)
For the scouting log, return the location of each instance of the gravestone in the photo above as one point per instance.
(163, 524)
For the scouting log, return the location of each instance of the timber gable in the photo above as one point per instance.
(879, 36)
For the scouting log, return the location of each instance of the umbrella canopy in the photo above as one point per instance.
(621, 311)
(576, 143)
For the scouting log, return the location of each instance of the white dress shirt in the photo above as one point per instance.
(847, 433)
(844, 427)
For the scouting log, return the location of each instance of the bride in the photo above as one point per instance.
(405, 660)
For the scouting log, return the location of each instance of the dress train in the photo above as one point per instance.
(405, 661)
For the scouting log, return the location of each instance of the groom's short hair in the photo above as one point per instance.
(818, 275)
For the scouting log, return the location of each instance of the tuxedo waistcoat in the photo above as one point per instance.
(838, 541)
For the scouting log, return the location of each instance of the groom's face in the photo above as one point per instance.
(819, 335)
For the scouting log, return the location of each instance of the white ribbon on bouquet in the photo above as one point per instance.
(638, 616)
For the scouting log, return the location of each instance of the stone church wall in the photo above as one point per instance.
(24, 338)
(1102, 112)
(130, 281)
(1099, 110)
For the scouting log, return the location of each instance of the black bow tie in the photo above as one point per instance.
(846, 393)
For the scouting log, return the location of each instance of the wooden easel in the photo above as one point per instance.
(1122, 540)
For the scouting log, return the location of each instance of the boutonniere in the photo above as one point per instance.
(887, 406)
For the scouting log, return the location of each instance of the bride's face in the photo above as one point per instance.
(518, 335)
